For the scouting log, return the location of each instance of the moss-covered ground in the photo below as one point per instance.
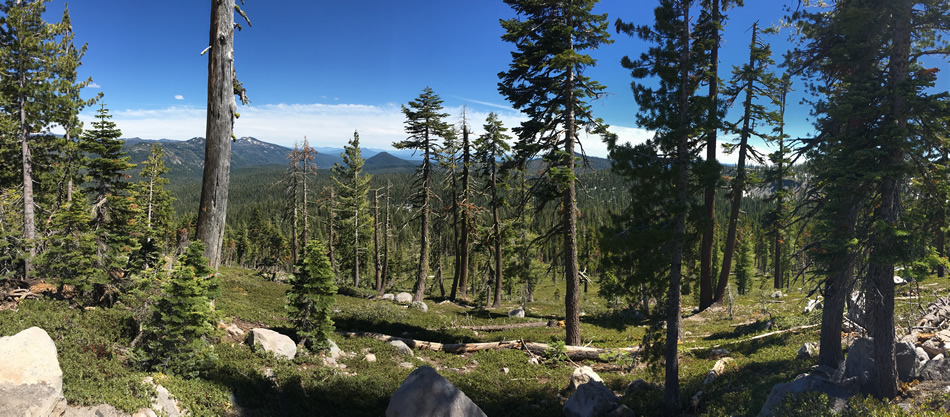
(93, 352)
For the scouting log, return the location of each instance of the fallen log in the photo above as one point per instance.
(497, 327)
(761, 336)
(575, 353)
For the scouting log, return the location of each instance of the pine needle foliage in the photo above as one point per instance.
(311, 297)
(177, 336)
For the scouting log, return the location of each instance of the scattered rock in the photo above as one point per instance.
(388, 297)
(420, 305)
(718, 353)
(813, 305)
(334, 350)
(102, 410)
(808, 350)
(638, 386)
(777, 294)
(403, 298)
(426, 393)
(234, 331)
(860, 361)
(581, 376)
(899, 281)
(806, 383)
(402, 348)
(145, 412)
(533, 361)
(517, 313)
(271, 341)
(717, 370)
(371, 358)
(31, 381)
(922, 355)
(163, 401)
(933, 347)
(504, 371)
(591, 399)
(935, 370)
(907, 361)
(406, 365)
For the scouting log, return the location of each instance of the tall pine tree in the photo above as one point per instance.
(355, 226)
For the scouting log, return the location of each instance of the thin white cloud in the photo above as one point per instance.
(93, 85)
(179, 97)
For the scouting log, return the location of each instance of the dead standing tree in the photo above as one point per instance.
(222, 109)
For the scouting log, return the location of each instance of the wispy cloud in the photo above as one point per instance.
(179, 97)
(485, 103)
(93, 85)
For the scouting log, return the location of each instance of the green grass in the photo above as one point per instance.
(93, 346)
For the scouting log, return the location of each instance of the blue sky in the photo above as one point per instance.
(323, 69)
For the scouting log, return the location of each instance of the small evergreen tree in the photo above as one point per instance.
(744, 271)
(176, 337)
(71, 249)
(311, 297)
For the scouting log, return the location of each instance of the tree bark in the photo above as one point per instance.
(673, 321)
(569, 218)
(838, 286)
(212, 211)
(420, 288)
(382, 289)
(376, 258)
(709, 198)
(496, 229)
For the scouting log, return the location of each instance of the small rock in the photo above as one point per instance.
(718, 353)
(932, 347)
(271, 341)
(420, 305)
(334, 351)
(504, 371)
(371, 358)
(406, 365)
(145, 412)
(401, 348)
(813, 305)
(590, 400)
(899, 281)
(581, 376)
(163, 401)
(922, 355)
(517, 313)
(388, 297)
(533, 361)
(403, 298)
(234, 331)
(808, 350)
(717, 370)
(426, 393)
(939, 357)
(777, 294)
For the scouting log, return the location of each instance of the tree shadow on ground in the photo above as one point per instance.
(397, 329)
(741, 330)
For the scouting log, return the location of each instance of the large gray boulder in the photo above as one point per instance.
(271, 341)
(517, 313)
(426, 393)
(420, 305)
(807, 383)
(935, 370)
(860, 361)
(402, 348)
(907, 361)
(592, 399)
(403, 298)
(31, 381)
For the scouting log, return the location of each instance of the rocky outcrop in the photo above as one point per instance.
(591, 399)
(271, 341)
(426, 393)
(581, 376)
(516, 313)
(31, 381)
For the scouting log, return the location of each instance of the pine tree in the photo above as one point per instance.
(546, 81)
(424, 124)
(176, 338)
(311, 297)
(70, 255)
(491, 150)
(36, 62)
(353, 186)
(156, 205)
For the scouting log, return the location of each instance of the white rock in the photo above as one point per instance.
(581, 376)
(234, 331)
(334, 350)
(402, 348)
(426, 393)
(271, 341)
(533, 361)
(504, 371)
(403, 298)
(807, 350)
(389, 296)
(517, 313)
(717, 370)
(813, 305)
(899, 281)
(164, 401)
(31, 381)
(420, 305)
(145, 412)
(371, 358)
(777, 294)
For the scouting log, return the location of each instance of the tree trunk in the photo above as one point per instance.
(709, 198)
(376, 258)
(420, 289)
(386, 280)
(738, 184)
(356, 240)
(464, 238)
(673, 322)
(213, 206)
(331, 215)
(496, 226)
(779, 201)
(838, 286)
(569, 217)
(29, 216)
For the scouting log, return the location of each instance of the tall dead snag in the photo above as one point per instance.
(222, 87)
